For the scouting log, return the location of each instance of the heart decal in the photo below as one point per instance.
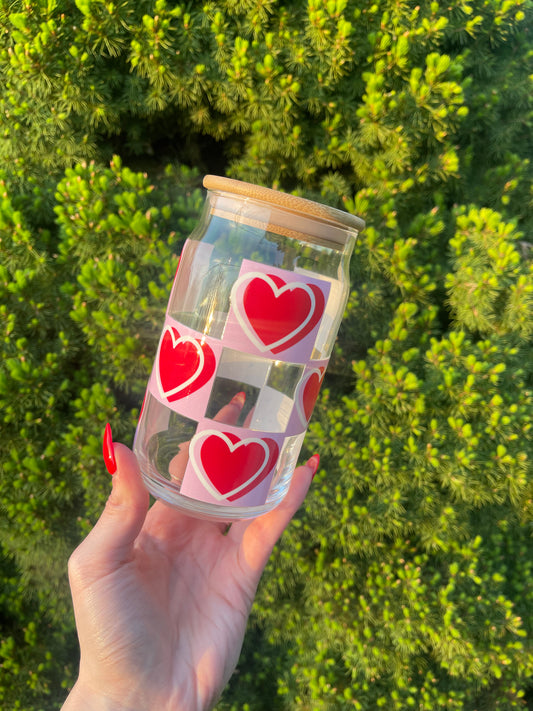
(307, 393)
(276, 314)
(230, 467)
(184, 364)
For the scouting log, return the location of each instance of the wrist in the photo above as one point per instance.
(82, 698)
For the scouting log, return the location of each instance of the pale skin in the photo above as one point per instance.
(162, 600)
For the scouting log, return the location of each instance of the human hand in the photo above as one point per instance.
(161, 600)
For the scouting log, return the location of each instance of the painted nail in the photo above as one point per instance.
(239, 399)
(108, 451)
(313, 463)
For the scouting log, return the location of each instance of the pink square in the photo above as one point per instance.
(275, 312)
(231, 466)
(184, 369)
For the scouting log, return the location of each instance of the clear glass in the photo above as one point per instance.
(201, 297)
(236, 238)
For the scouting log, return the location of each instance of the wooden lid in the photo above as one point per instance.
(285, 201)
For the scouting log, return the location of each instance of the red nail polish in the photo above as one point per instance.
(108, 451)
(239, 399)
(314, 463)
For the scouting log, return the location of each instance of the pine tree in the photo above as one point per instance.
(411, 583)
(406, 580)
(83, 292)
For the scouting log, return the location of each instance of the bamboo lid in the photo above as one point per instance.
(301, 207)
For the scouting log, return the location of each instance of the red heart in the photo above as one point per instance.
(281, 313)
(233, 466)
(184, 364)
(311, 390)
(307, 394)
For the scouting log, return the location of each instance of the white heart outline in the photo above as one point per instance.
(244, 321)
(300, 388)
(175, 342)
(201, 474)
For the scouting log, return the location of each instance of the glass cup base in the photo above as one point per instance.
(168, 492)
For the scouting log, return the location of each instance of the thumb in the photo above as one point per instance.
(110, 543)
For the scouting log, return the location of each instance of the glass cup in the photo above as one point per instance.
(257, 300)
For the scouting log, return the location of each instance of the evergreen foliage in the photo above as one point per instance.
(405, 582)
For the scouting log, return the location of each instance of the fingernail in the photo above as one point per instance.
(313, 463)
(108, 451)
(239, 399)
